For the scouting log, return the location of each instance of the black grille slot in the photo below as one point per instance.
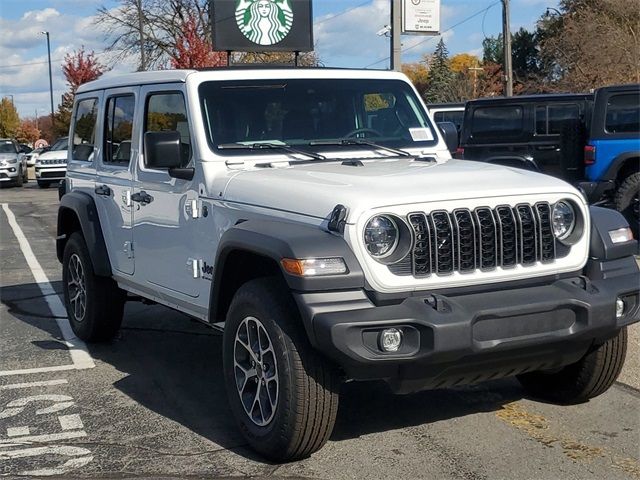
(507, 236)
(444, 247)
(545, 233)
(465, 240)
(487, 238)
(422, 245)
(528, 235)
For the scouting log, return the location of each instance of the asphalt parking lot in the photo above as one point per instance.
(152, 403)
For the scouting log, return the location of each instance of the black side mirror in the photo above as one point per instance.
(450, 135)
(163, 150)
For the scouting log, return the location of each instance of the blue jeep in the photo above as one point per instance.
(612, 153)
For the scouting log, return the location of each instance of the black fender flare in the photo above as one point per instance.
(612, 171)
(276, 240)
(84, 209)
(527, 162)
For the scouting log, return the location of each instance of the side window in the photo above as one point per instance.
(541, 120)
(562, 117)
(496, 123)
(118, 130)
(623, 113)
(84, 129)
(167, 112)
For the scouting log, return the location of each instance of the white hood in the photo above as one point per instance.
(314, 189)
(53, 155)
(8, 156)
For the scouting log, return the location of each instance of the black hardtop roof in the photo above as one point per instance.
(445, 105)
(531, 98)
(619, 88)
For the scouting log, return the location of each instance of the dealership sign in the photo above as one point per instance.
(421, 17)
(262, 25)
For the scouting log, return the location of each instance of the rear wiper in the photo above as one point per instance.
(360, 141)
(270, 146)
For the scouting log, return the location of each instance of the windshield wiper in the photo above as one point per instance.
(270, 146)
(360, 141)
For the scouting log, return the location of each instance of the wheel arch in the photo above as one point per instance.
(77, 212)
(622, 166)
(254, 249)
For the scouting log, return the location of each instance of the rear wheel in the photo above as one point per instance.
(628, 201)
(283, 394)
(585, 379)
(95, 305)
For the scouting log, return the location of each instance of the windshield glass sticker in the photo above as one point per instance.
(421, 134)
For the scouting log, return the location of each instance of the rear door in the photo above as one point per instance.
(559, 139)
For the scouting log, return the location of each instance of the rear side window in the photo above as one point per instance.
(166, 112)
(623, 113)
(453, 116)
(118, 130)
(495, 123)
(555, 119)
(84, 129)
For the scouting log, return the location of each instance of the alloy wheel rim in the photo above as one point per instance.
(77, 288)
(255, 371)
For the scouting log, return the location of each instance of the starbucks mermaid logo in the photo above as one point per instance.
(265, 22)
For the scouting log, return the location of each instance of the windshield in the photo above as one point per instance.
(301, 111)
(6, 146)
(61, 144)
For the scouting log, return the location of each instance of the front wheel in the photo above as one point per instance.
(283, 395)
(589, 377)
(95, 305)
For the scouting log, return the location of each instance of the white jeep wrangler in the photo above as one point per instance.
(316, 216)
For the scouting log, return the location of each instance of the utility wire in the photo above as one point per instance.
(470, 17)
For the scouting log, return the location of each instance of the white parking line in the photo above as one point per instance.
(18, 431)
(25, 371)
(71, 422)
(44, 383)
(52, 437)
(77, 348)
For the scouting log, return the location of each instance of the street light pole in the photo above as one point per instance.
(50, 76)
(396, 31)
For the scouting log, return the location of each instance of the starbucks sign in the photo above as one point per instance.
(262, 25)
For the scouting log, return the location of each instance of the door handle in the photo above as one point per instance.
(103, 190)
(546, 147)
(142, 197)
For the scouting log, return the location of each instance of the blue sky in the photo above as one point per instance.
(344, 30)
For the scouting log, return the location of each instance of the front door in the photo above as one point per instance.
(164, 227)
(113, 179)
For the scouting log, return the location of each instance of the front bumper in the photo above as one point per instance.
(467, 338)
(8, 174)
(50, 173)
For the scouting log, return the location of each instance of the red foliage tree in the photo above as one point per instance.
(79, 67)
(193, 50)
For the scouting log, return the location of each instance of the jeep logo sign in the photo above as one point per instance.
(262, 25)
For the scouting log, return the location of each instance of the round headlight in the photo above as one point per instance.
(381, 236)
(563, 219)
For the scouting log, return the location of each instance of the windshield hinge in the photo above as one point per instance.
(237, 164)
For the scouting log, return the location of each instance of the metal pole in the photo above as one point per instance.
(37, 119)
(506, 38)
(396, 31)
(50, 76)
(143, 60)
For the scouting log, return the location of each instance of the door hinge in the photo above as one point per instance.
(193, 265)
(128, 249)
(193, 208)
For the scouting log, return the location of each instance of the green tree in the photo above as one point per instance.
(9, 119)
(440, 76)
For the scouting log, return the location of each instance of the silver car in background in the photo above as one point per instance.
(13, 164)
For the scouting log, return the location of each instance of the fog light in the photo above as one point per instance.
(390, 339)
(619, 307)
(621, 235)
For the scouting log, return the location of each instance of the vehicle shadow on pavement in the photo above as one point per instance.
(172, 367)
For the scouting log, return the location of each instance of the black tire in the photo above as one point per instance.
(628, 201)
(307, 399)
(591, 376)
(25, 177)
(43, 184)
(19, 179)
(104, 301)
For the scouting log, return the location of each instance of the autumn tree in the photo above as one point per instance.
(194, 50)
(27, 132)
(9, 119)
(78, 67)
(591, 43)
(418, 73)
(463, 62)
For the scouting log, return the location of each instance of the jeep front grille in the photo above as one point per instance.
(466, 240)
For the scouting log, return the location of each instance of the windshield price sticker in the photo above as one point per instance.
(421, 134)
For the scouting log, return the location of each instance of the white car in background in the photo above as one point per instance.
(51, 166)
(13, 165)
